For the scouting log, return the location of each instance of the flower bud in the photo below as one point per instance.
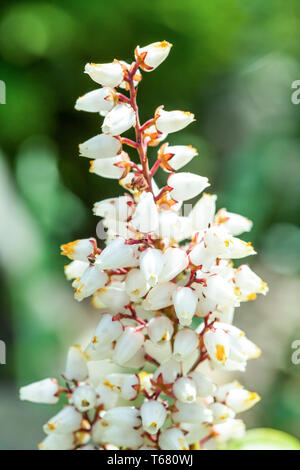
(119, 208)
(186, 185)
(185, 390)
(175, 157)
(75, 269)
(172, 439)
(203, 212)
(112, 168)
(76, 364)
(186, 341)
(153, 414)
(159, 296)
(248, 283)
(44, 391)
(66, 421)
(57, 442)
(160, 329)
(172, 121)
(185, 304)
(127, 385)
(241, 400)
(107, 331)
(191, 413)
(151, 56)
(84, 398)
(127, 345)
(205, 386)
(235, 224)
(123, 416)
(145, 218)
(135, 285)
(100, 101)
(91, 280)
(221, 412)
(80, 250)
(121, 118)
(230, 429)
(113, 297)
(168, 371)
(110, 75)
(117, 255)
(151, 264)
(100, 146)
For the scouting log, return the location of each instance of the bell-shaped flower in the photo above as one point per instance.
(175, 261)
(126, 385)
(248, 283)
(241, 400)
(151, 56)
(235, 224)
(172, 226)
(75, 269)
(100, 146)
(108, 75)
(159, 296)
(121, 118)
(202, 214)
(44, 391)
(186, 342)
(160, 329)
(117, 255)
(221, 412)
(84, 398)
(112, 168)
(127, 345)
(123, 416)
(168, 371)
(145, 218)
(135, 285)
(100, 101)
(119, 208)
(191, 413)
(185, 186)
(107, 331)
(76, 364)
(91, 280)
(185, 304)
(66, 421)
(113, 297)
(175, 157)
(172, 121)
(230, 429)
(185, 390)
(151, 265)
(204, 384)
(80, 250)
(161, 352)
(173, 439)
(153, 414)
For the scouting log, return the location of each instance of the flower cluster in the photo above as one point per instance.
(165, 286)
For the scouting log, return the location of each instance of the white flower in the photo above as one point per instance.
(121, 118)
(117, 255)
(76, 365)
(91, 280)
(44, 391)
(80, 250)
(159, 296)
(100, 146)
(145, 218)
(230, 429)
(101, 101)
(173, 439)
(113, 297)
(66, 421)
(153, 414)
(185, 390)
(175, 261)
(176, 156)
(160, 329)
(186, 185)
(185, 303)
(75, 269)
(110, 75)
(192, 413)
(153, 55)
(58, 442)
(119, 208)
(234, 223)
(84, 398)
(127, 345)
(221, 412)
(151, 264)
(135, 285)
(107, 331)
(172, 121)
(168, 371)
(110, 167)
(248, 283)
(240, 399)
(127, 385)
(203, 212)
(186, 342)
(205, 386)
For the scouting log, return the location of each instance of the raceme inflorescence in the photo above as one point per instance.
(165, 286)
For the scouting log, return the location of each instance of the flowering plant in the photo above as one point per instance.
(165, 287)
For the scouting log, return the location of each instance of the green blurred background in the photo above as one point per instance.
(232, 64)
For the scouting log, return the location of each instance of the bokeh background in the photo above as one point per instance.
(232, 64)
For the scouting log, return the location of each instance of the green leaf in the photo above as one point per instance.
(265, 439)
